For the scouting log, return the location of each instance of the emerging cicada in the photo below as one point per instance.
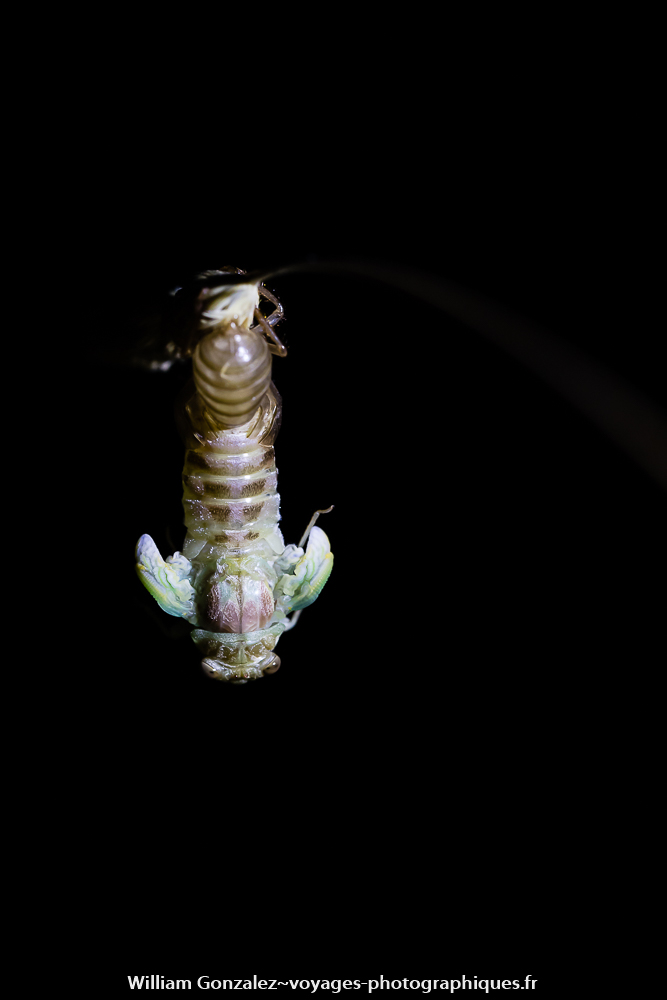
(235, 579)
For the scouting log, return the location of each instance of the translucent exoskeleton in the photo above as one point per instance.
(235, 579)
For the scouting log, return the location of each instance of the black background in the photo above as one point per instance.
(493, 549)
(454, 725)
(454, 703)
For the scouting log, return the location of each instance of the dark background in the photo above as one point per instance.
(461, 696)
(492, 547)
(459, 709)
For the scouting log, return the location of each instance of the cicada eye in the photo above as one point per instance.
(216, 669)
(274, 664)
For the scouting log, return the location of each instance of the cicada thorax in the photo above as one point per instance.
(230, 498)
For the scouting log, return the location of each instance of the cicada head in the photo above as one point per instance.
(238, 657)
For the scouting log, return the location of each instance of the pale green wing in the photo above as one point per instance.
(302, 586)
(167, 581)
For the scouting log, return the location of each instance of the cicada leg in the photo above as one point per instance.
(312, 522)
(291, 622)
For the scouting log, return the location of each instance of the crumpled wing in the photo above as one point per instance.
(167, 581)
(300, 587)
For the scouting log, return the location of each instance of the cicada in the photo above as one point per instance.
(235, 580)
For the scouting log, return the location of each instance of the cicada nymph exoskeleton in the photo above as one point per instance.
(234, 580)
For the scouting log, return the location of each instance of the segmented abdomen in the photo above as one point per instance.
(232, 510)
(232, 373)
